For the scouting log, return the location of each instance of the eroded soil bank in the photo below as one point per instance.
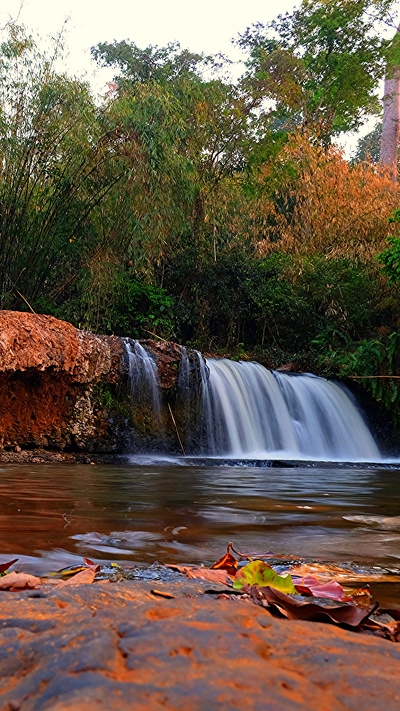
(65, 394)
(117, 646)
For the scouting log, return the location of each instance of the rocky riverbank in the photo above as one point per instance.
(68, 395)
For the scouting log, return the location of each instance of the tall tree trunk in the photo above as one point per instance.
(391, 122)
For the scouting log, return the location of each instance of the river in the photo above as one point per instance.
(52, 515)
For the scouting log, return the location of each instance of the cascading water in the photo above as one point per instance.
(250, 411)
(143, 377)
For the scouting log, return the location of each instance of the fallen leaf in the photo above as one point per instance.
(228, 562)
(361, 596)
(385, 623)
(88, 562)
(261, 574)
(330, 571)
(85, 577)
(358, 592)
(331, 589)
(4, 566)
(213, 576)
(347, 614)
(19, 581)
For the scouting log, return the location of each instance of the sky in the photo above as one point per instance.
(206, 25)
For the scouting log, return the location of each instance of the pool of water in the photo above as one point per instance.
(52, 515)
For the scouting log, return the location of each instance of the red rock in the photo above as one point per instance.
(48, 370)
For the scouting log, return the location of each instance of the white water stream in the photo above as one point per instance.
(253, 412)
(143, 377)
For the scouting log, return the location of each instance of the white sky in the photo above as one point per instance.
(204, 25)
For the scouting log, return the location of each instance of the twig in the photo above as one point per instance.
(364, 377)
(155, 335)
(27, 302)
(176, 429)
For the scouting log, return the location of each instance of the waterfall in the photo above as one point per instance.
(250, 411)
(143, 377)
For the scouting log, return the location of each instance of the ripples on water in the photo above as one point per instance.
(51, 516)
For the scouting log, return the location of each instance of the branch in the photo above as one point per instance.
(364, 377)
(12, 21)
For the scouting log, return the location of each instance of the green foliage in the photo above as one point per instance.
(390, 257)
(323, 61)
(376, 359)
(140, 309)
(125, 305)
(281, 301)
(261, 574)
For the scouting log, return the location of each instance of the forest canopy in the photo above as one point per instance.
(217, 212)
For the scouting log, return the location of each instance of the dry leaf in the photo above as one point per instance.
(213, 576)
(5, 566)
(346, 615)
(331, 589)
(85, 577)
(19, 581)
(228, 562)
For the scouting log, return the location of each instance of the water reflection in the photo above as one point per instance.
(50, 515)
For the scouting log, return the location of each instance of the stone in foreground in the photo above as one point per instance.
(117, 647)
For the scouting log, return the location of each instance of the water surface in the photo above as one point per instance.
(52, 515)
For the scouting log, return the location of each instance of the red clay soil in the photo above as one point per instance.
(118, 647)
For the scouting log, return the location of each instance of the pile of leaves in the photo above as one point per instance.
(300, 595)
(309, 592)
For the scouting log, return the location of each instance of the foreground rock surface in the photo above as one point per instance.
(119, 647)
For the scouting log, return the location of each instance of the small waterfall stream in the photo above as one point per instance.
(143, 378)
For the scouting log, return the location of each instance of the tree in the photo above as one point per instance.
(390, 137)
(323, 205)
(206, 128)
(52, 170)
(368, 146)
(322, 62)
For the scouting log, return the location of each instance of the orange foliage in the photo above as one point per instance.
(325, 204)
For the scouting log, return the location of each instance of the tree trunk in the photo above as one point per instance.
(391, 122)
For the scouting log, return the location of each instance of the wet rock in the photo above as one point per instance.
(119, 647)
(168, 357)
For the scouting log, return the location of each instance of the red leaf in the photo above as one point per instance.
(5, 566)
(88, 562)
(228, 562)
(330, 589)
